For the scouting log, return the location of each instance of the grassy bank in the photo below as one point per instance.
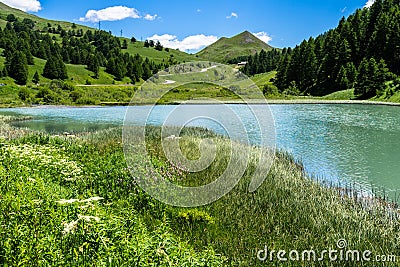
(71, 201)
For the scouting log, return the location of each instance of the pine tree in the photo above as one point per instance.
(309, 66)
(362, 79)
(11, 18)
(351, 74)
(281, 80)
(124, 44)
(55, 68)
(342, 81)
(93, 65)
(158, 46)
(146, 71)
(17, 67)
(371, 78)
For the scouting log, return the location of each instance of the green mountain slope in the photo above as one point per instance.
(159, 56)
(136, 48)
(40, 22)
(79, 74)
(224, 49)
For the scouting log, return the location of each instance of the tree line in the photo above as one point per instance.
(21, 41)
(362, 52)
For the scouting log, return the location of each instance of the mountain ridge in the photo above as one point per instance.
(242, 44)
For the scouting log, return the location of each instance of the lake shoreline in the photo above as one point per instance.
(296, 102)
(230, 102)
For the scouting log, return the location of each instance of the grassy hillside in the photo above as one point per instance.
(264, 78)
(40, 22)
(78, 74)
(159, 56)
(229, 48)
(340, 95)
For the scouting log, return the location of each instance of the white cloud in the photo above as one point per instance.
(194, 42)
(24, 5)
(150, 17)
(232, 15)
(111, 14)
(263, 36)
(198, 10)
(369, 3)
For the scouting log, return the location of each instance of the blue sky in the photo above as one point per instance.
(190, 25)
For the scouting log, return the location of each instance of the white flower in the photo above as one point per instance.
(69, 227)
(88, 218)
(92, 199)
(173, 137)
(65, 201)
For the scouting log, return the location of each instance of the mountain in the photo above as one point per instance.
(74, 54)
(137, 48)
(225, 49)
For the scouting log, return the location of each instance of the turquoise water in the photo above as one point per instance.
(356, 144)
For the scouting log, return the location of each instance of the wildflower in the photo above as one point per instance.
(69, 201)
(92, 199)
(173, 137)
(69, 227)
(88, 218)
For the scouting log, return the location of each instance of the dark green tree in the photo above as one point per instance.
(17, 67)
(342, 81)
(11, 18)
(371, 78)
(124, 44)
(55, 68)
(281, 80)
(351, 74)
(158, 46)
(146, 71)
(362, 79)
(93, 65)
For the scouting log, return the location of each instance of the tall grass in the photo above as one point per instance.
(289, 211)
(67, 202)
(73, 202)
